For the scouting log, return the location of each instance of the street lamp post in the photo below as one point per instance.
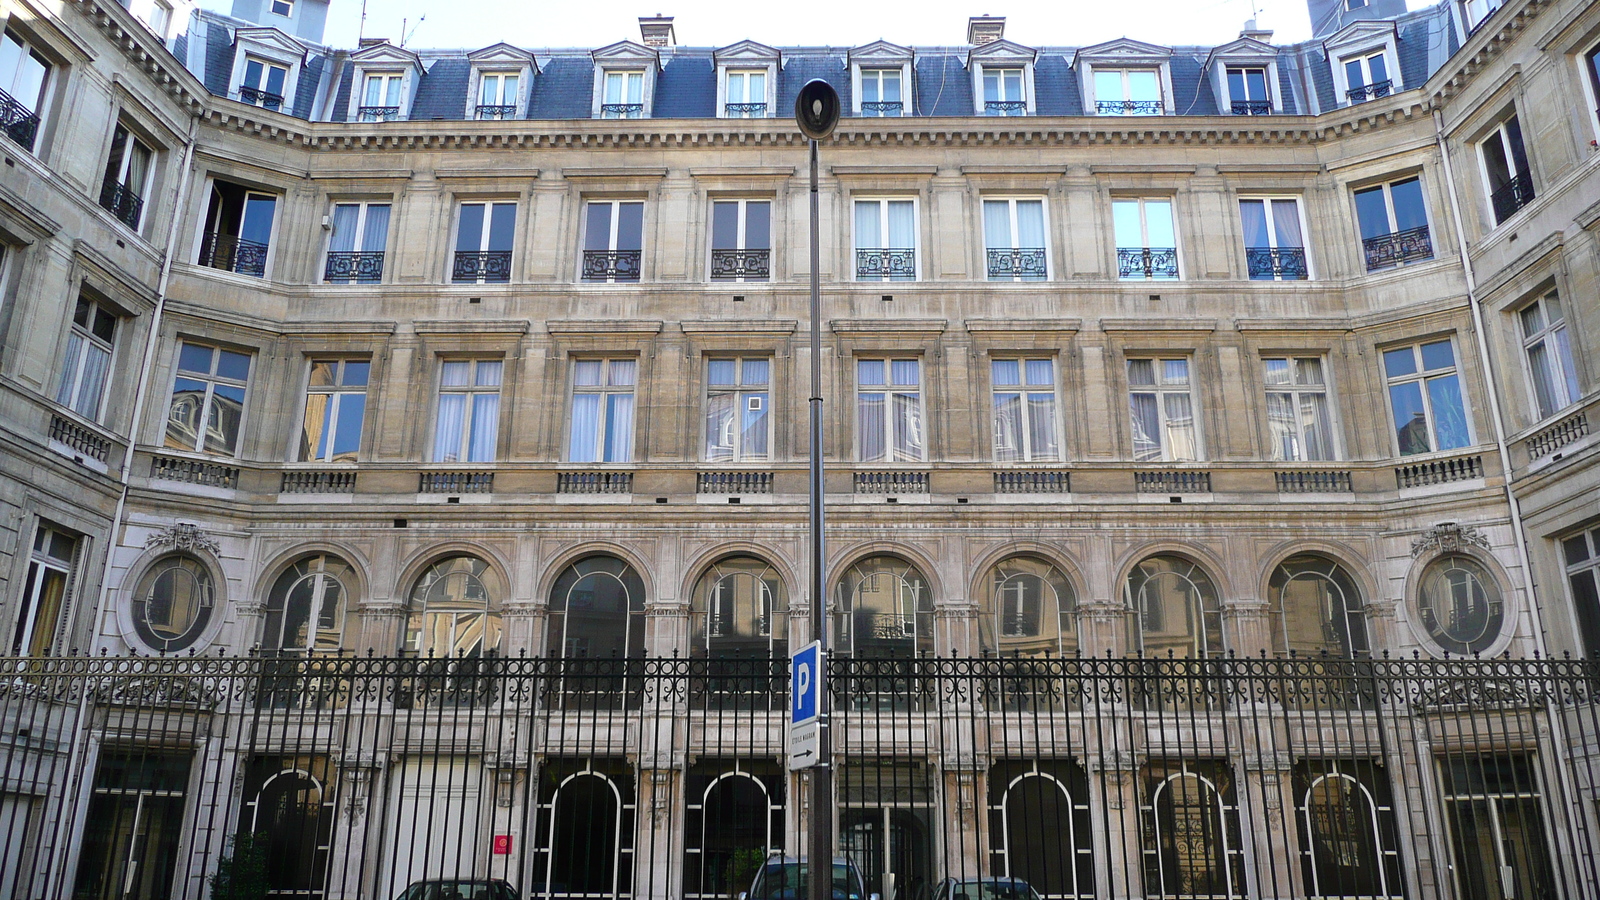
(816, 111)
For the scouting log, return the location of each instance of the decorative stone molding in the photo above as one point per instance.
(1448, 537)
(184, 537)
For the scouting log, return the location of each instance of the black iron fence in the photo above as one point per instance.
(345, 777)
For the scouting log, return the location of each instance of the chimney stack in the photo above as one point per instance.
(657, 31)
(1264, 35)
(985, 29)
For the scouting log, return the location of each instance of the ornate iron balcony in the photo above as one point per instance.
(1128, 107)
(1252, 107)
(481, 265)
(353, 267)
(745, 110)
(232, 253)
(123, 202)
(1512, 196)
(1005, 107)
(1022, 262)
(623, 110)
(258, 97)
(1370, 91)
(1147, 262)
(501, 111)
(378, 114)
(1387, 250)
(747, 264)
(890, 262)
(19, 122)
(611, 265)
(1287, 263)
(882, 107)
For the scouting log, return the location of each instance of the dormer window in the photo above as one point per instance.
(1364, 58)
(263, 83)
(746, 94)
(881, 94)
(882, 80)
(624, 80)
(1247, 91)
(1127, 92)
(380, 97)
(1002, 78)
(501, 76)
(266, 68)
(497, 95)
(1002, 93)
(747, 80)
(624, 96)
(1367, 76)
(1125, 78)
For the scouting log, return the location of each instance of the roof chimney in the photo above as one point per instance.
(657, 31)
(366, 42)
(1264, 35)
(985, 29)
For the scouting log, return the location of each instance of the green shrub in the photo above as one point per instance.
(242, 874)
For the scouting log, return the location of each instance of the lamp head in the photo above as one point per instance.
(816, 110)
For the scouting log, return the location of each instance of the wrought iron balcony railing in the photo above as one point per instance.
(1252, 107)
(497, 111)
(123, 202)
(745, 110)
(21, 124)
(611, 265)
(1147, 262)
(882, 107)
(261, 98)
(353, 267)
(1386, 250)
(232, 253)
(1027, 263)
(1369, 91)
(890, 262)
(1286, 263)
(1128, 107)
(378, 114)
(622, 110)
(481, 265)
(1512, 196)
(1005, 107)
(749, 264)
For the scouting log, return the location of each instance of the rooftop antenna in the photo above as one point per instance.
(405, 36)
(361, 29)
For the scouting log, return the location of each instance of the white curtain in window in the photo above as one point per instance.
(997, 224)
(870, 425)
(584, 444)
(1180, 427)
(485, 427)
(95, 363)
(1146, 427)
(1253, 214)
(1286, 222)
(719, 425)
(868, 235)
(345, 219)
(376, 234)
(902, 224)
(1007, 427)
(1042, 425)
(1030, 223)
(1317, 426)
(1281, 423)
(908, 442)
(447, 435)
(619, 427)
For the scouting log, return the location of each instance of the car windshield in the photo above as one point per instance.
(991, 890)
(453, 890)
(787, 881)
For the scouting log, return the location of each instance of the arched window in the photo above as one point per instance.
(450, 610)
(1347, 830)
(290, 810)
(885, 610)
(1175, 608)
(1039, 825)
(585, 829)
(1028, 609)
(173, 603)
(306, 608)
(734, 821)
(1193, 846)
(740, 611)
(1317, 609)
(597, 611)
(1459, 605)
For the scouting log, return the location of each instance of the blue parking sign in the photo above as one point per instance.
(805, 683)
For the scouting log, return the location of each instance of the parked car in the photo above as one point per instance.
(984, 889)
(459, 889)
(787, 878)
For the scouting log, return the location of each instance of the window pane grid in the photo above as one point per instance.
(1162, 411)
(889, 425)
(602, 410)
(738, 426)
(1425, 398)
(468, 418)
(207, 405)
(1298, 416)
(1549, 354)
(1025, 428)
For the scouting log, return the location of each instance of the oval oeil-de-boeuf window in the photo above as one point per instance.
(173, 604)
(1460, 605)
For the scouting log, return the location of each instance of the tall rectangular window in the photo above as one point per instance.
(469, 411)
(357, 242)
(1247, 91)
(1366, 77)
(1014, 242)
(881, 94)
(263, 83)
(886, 240)
(1297, 408)
(1164, 426)
(1549, 354)
(24, 78)
(380, 97)
(1147, 244)
(1274, 246)
(1425, 398)
(738, 427)
(741, 240)
(127, 178)
(1581, 553)
(89, 348)
(238, 229)
(336, 403)
(1506, 170)
(602, 410)
(1394, 224)
(1127, 92)
(746, 95)
(484, 232)
(1025, 427)
(44, 593)
(624, 95)
(613, 240)
(889, 411)
(498, 93)
(1003, 92)
(207, 406)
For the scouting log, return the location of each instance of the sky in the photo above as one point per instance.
(470, 24)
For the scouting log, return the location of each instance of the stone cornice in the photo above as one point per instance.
(146, 52)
